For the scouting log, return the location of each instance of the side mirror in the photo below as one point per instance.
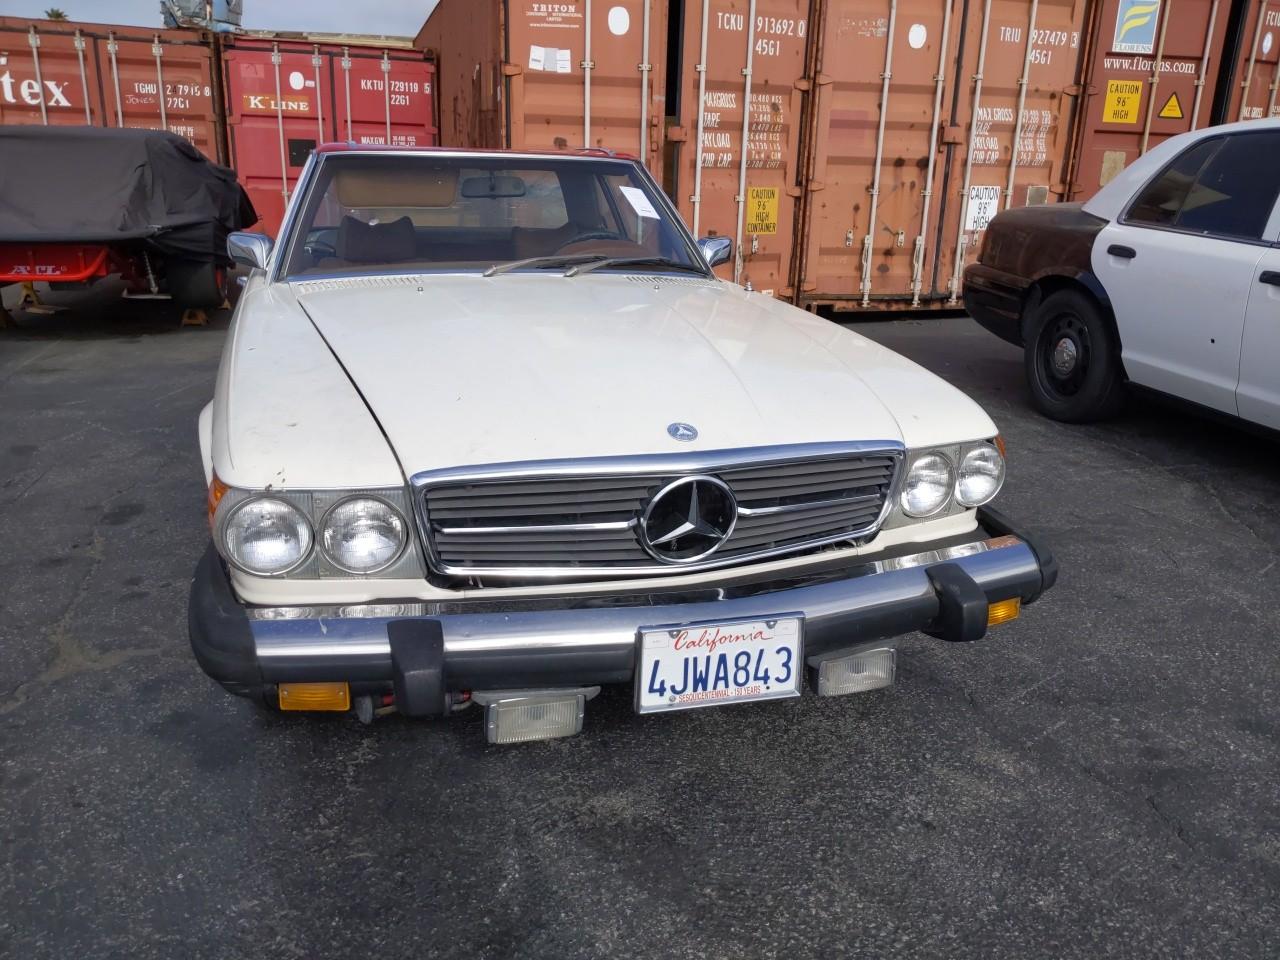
(715, 250)
(249, 249)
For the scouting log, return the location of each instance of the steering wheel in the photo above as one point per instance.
(318, 249)
(589, 235)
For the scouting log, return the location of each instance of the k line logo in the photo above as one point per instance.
(1136, 26)
(28, 91)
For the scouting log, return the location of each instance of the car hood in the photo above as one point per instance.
(467, 370)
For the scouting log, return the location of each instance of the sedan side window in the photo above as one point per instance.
(1222, 187)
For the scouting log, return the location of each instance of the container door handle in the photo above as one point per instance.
(1124, 253)
(1270, 276)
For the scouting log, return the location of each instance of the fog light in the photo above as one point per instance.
(858, 673)
(518, 716)
(315, 696)
(1002, 611)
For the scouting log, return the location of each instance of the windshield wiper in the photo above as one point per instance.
(634, 262)
(551, 261)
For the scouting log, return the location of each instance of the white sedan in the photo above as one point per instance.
(1168, 279)
(487, 430)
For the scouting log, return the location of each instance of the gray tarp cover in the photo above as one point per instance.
(98, 185)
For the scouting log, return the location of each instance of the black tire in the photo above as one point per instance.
(1072, 360)
(196, 284)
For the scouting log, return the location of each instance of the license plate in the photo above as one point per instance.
(705, 665)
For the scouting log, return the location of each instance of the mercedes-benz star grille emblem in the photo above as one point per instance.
(684, 432)
(688, 519)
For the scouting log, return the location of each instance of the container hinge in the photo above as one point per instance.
(677, 134)
(512, 69)
(804, 83)
(816, 185)
(793, 191)
(1073, 90)
(1058, 189)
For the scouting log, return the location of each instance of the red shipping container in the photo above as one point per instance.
(61, 73)
(286, 94)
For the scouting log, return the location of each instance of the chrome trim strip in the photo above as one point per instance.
(289, 636)
(546, 528)
(682, 463)
(814, 505)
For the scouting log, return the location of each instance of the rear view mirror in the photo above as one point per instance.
(249, 249)
(493, 187)
(715, 250)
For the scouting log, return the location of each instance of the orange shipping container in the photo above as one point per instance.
(551, 75)
(888, 133)
(56, 72)
(1153, 71)
(1257, 76)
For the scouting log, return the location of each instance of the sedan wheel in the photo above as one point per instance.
(1073, 367)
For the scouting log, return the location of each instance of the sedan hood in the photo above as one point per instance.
(467, 370)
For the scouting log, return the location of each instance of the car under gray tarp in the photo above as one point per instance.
(99, 185)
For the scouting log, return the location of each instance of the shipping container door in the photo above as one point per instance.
(272, 135)
(582, 74)
(1152, 76)
(1257, 75)
(160, 82)
(1016, 120)
(723, 190)
(47, 77)
(382, 99)
(880, 112)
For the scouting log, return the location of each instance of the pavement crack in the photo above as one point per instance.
(1173, 823)
(70, 655)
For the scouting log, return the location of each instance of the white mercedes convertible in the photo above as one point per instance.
(489, 431)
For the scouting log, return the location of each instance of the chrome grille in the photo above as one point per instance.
(495, 523)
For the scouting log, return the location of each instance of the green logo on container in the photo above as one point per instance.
(1136, 26)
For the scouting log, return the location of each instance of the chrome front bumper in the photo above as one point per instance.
(589, 640)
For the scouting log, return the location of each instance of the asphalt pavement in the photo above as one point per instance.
(1097, 779)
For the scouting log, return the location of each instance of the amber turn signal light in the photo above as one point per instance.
(217, 490)
(1002, 611)
(315, 696)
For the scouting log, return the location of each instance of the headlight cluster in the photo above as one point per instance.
(318, 534)
(933, 479)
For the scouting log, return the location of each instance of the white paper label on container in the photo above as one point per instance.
(548, 59)
(639, 202)
(619, 21)
(917, 35)
(984, 203)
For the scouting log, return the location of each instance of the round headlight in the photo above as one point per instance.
(267, 536)
(980, 477)
(928, 485)
(363, 535)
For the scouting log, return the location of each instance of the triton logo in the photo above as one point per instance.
(28, 91)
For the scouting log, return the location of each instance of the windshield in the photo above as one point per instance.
(374, 213)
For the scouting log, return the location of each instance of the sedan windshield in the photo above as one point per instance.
(375, 213)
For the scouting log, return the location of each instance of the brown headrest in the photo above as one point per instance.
(423, 186)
